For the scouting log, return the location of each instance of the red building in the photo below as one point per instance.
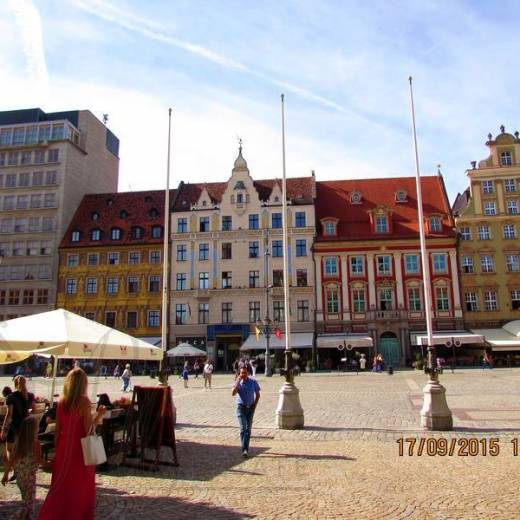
(368, 266)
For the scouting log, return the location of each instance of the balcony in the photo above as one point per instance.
(386, 315)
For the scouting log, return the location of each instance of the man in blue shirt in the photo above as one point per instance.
(247, 391)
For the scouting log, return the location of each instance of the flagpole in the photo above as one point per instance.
(435, 414)
(289, 413)
(163, 376)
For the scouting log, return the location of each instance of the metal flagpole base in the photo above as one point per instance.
(435, 414)
(289, 414)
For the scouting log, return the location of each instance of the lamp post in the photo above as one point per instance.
(344, 347)
(453, 343)
(267, 327)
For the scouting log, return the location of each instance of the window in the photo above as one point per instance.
(20, 225)
(512, 207)
(71, 286)
(276, 220)
(154, 283)
(180, 282)
(137, 232)
(110, 319)
(203, 280)
(115, 234)
(91, 285)
(331, 266)
(278, 311)
(467, 265)
(442, 299)
(44, 272)
(154, 318)
(329, 228)
(483, 232)
(515, 300)
(155, 257)
(301, 277)
(301, 247)
(75, 235)
(23, 180)
(439, 263)
(486, 263)
(19, 249)
(39, 157)
(123, 214)
(240, 198)
(53, 156)
(47, 247)
(381, 224)
(303, 310)
(7, 225)
(254, 249)
(10, 180)
(204, 224)
(5, 136)
(277, 249)
(42, 297)
(58, 132)
(72, 260)
(182, 253)
(131, 319)
(113, 258)
(22, 202)
(112, 285)
(332, 301)
(506, 159)
(227, 279)
(226, 251)
(9, 203)
(181, 314)
(414, 299)
(509, 231)
(470, 300)
(465, 233)
(203, 312)
(254, 312)
(93, 259)
(227, 224)
(33, 249)
(254, 279)
(253, 221)
(182, 225)
(513, 263)
(357, 265)
(490, 208)
(12, 159)
(411, 264)
(95, 235)
(2, 163)
(28, 296)
(36, 201)
(300, 219)
(435, 225)
(277, 278)
(510, 185)
(157, 231)
(51, 178)
(34, 224)
(487, 187)
(227, 313)
(14, 297)
(490, 300)
(134, 257)
(384, 265)
(133, 284)
(203, 252)
(385, 299)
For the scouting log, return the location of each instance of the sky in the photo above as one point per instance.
(221, 65)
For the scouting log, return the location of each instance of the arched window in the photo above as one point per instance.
(115, 234)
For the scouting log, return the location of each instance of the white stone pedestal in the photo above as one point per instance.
(435, 414)
(289, 414)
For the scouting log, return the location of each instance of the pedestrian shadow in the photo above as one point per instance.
(273, 455)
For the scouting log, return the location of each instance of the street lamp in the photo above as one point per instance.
(344, 347)
(267, 327)
(453, 343)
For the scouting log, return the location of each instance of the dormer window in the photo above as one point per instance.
(123, 214)
(154, 212)
(277, 199)
(137, 232)
(95, 216)
(355, 197)
(115, 234)
(401, 196)
(506, 159)
(204, 203)
(148, 198)
(435, 225)
(157, 231)
(329, 228)
(95, 235)
(239, 185)
(381, 224)
(75, 236)
(110, 202)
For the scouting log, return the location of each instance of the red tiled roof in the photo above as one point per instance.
(137, 205)
(299, 191)
(333, 200)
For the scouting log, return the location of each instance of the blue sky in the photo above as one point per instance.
(221, 66)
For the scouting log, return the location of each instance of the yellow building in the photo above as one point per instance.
(488, 221)
(110, 267)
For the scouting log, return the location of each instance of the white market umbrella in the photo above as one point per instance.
(185, 350)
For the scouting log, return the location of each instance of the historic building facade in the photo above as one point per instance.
(48, 161)
(227, 262)
(487, 219)
(111, 261)
(368, 263)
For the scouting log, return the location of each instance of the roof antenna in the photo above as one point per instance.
(105, 119)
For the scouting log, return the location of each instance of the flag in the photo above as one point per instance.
(278, 333)
(257, 333)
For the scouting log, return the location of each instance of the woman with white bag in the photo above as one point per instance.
(73, 491)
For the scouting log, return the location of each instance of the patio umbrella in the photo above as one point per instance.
(185, 350)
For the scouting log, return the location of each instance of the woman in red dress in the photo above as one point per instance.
(73, 488)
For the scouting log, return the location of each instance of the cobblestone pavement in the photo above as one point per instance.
(344, 464)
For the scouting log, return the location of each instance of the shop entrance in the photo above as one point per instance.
(390, 348)
(227, 351)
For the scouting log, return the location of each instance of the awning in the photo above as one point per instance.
(298, 340)
(500, 339)
(354, 340)
(447, 336)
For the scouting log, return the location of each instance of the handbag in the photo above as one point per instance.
(93, 449)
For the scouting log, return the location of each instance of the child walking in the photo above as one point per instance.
(25, 460)
(185, 374)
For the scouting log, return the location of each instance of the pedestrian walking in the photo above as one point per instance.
(117, 372)
(184, 374)
(208, 372)
(247, 392)
(24, 461)
(254, 366)
(126, 376)
(362, 362)
(48, 370)
(196, 368)
(104, 371)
